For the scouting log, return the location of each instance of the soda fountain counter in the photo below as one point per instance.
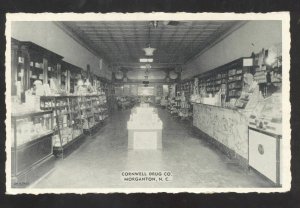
(251, 135)
(227, 128)
(144, 129)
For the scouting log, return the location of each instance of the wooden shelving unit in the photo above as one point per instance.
(40, 64)
(31, 62)
(229, 76)
(71, 75)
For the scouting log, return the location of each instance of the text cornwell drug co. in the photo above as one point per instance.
(146, 176)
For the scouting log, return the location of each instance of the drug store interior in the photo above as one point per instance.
(97, 102)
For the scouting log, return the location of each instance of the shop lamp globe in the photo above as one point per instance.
(173, 75)
(119, 75)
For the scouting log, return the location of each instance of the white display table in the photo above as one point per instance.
(144, 129)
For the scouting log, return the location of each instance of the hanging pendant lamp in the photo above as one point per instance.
(149, 50)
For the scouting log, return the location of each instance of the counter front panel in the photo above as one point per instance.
(227, 126)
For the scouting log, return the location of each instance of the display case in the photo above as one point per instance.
(68, 128)
(76, 118)
(31, 145)
(100, 108)
(94, 112)
(87, 114)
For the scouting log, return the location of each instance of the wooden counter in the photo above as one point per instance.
(227, 126)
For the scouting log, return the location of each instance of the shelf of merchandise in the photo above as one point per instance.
(186, 109)
(31, 147)
(174, 106)
(67, 127)
(87, 114)
(71, 77)
(94, 112)
(18, 64)
(230, 76)
(102, 111)
(64, 77)
(40, 64)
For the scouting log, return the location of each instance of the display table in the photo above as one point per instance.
(144, 129)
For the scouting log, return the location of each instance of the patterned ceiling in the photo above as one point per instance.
(121, 42)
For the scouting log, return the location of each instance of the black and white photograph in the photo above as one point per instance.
(147, 102)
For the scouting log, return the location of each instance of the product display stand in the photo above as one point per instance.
(144, 133)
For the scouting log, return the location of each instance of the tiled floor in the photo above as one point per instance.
(99, 161)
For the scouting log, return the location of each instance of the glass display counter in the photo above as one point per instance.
(31, 145)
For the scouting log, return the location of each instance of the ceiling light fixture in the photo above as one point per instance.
(146, 66)
(149, 50)
(145, 60)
